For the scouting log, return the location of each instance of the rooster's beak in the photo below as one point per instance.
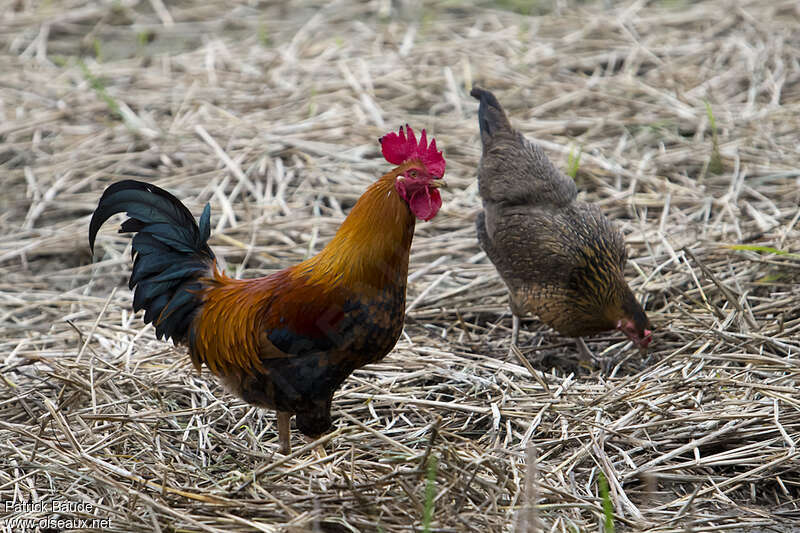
(438, 184)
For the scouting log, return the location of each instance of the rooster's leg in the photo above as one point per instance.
(514, 334)
(284, 432)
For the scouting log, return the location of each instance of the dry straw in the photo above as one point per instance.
(686, 118)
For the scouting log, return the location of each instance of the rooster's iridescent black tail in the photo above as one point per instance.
(170, 253)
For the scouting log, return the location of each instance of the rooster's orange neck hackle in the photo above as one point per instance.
(367, 256)
(372, 245)
(369, 251)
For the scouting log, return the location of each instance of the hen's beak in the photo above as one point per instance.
(641, 340)
(438, 184)
(645, 340)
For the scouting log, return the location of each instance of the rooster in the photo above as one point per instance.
(561, 259)
(286, 341)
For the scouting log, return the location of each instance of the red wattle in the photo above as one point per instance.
(425, 203)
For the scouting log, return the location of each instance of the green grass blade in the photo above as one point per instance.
(762, 250)
(574, 162)
(715, 162)
(711, 119)
(608, 510)
(430, 493)
(100, 88)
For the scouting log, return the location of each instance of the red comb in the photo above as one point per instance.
(400, 147)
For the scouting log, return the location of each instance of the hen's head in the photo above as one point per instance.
(636, 326)
(633, 322)
(422, 168)
(601, 299)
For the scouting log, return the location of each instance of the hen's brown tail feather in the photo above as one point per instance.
(491, 116)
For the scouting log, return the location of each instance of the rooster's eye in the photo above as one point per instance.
(412, 173)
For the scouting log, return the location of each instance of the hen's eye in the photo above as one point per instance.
(412, 174)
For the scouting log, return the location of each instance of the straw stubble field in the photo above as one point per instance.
(685, 116)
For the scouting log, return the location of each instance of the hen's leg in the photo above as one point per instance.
(284, 432)
(319, 450)
(606, 363)
(584, 351)
(514, 334)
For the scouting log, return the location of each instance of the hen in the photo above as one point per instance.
(288, 340)
(561, 259)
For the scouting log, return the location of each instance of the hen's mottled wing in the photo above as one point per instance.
(521, 242)
(533, 243)
(552, 260)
